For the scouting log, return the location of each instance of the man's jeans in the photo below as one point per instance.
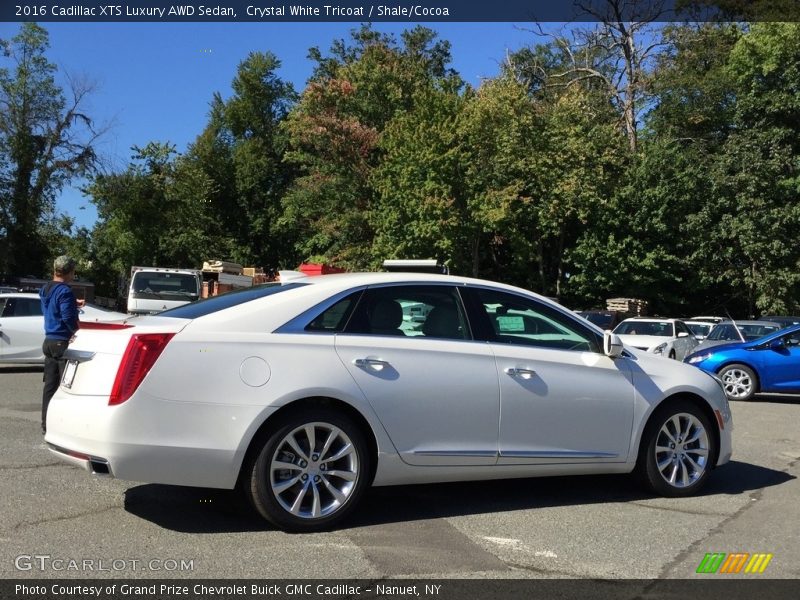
(53, 370)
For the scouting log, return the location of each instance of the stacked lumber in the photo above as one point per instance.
(222, 266)
(635, 306)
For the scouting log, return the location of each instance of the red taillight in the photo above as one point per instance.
(139, 357)
(99, 325)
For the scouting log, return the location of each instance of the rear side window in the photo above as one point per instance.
(217, 303)
(419, 311)
(22, 307)
(334, 319)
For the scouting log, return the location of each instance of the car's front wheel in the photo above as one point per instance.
(677, 449)
(740, 382)
(310, 471)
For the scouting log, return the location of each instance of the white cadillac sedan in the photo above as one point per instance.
(302, 394)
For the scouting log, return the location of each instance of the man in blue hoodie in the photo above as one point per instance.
(60, 309)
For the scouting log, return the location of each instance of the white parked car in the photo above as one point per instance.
(303, 394)
(700, 329)
(22, 326)
(665, 337)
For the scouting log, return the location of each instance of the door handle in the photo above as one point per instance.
(376, 364)
(519, 372)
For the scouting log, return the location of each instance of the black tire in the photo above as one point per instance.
(668, 465)
(741, 383)
(306, 484)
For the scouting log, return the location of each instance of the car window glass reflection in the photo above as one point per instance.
(520, 321)
(411, 311)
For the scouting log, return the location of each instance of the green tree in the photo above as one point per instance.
(421, 209)
(152, 214)
(754, 210)
(46, 141)
(241, 152)
(335, 131)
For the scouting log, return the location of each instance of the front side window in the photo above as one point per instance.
(517, 320)
(792, 339)
(420, 311)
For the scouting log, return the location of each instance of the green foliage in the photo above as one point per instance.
(45, 142)
(335, 132)
(534, 178)
(240, 157)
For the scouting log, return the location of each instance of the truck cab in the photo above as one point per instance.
(155, 289)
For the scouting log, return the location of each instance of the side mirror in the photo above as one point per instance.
(682, 334)
(777, 344)
(612, 345)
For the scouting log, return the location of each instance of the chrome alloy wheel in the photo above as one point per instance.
(314, 470)
(682, 450)
(738, 383)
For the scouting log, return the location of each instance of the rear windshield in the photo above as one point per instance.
(234, 298)
(164, 285)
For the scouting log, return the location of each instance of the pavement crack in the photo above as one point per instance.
(23, 467)
(542, 571)
(97, 511)
(693, 548)
(697, 513)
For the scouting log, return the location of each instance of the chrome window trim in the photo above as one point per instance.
(299, 323)
(458, 453)
(555, 454)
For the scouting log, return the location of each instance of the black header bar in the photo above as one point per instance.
(411, 11)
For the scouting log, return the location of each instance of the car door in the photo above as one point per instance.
(434, 389)
(780, 370)
(21, 330)
(561, 399)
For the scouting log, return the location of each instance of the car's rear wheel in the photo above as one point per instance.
(740, 382)
(310, 472)
(676, 451)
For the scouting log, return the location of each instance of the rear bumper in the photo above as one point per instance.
(151, 440)
(94, 464)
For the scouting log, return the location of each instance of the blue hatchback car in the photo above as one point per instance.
(768, 364)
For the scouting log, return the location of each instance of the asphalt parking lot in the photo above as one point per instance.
(590, 527)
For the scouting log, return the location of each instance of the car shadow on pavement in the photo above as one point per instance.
(21, 368)
(199, 510)
(776, 398)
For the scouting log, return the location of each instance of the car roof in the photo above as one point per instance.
(749, 322)
(337, 280)
(652, 319)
